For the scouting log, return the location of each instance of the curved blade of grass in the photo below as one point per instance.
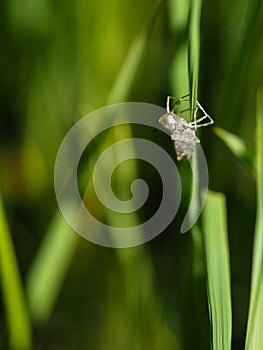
(45, 278)
(194, 49)
(193, 76)
(192, 214)
(188, 74)
(126, 76)
(16, 312)
(254, 338)
(236, 145)
(193, 64)
(218, 270)
(179, 12)
(47, 273)
(179, 15)
(248, 43)
(182, 75)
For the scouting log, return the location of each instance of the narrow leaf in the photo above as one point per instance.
(236, 145)
(47, 274)
(48, 271)
(179, 77)
(254, 338)
(126, 75)
(16, 312)
(194, 49)
(218, 270)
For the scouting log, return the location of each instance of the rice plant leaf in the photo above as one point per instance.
(48, 271)
(194, 49)
(218, 270)
(248, 43)
(194, 14)
(49, 268)
(179, 15)
(236, 145)
(254, 337)
(193, 61)
(126, 75)
(128, 70)
(179, 12)
(19, 327)
(193, 213)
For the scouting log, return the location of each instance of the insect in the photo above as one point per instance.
(183, 132)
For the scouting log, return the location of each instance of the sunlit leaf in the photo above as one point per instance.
(254, 339)
(19, 327)
(218, 270)
(194, 49)
(49, 268)
(236, 145)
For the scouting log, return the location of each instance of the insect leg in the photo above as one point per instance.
(177, 102)
(193, 124)
(202, 118)
(183, 98)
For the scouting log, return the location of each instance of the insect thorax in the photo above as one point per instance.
(182, 134)
(173, 122)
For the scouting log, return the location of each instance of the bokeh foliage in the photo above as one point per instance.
(62, 60)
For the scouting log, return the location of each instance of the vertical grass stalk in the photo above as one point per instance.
(179, 16)
(254, 337)
(45, 278)
(19, 328)
(193, 76)
(218, 270)
(194, 49)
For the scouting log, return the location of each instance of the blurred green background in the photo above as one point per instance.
(62, 60)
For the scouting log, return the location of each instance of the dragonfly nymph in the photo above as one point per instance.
(183, 132)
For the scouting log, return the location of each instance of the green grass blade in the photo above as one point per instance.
(126, 76)
(218, 270)
(194, 210)
(236, 145)
(128, 70)
(16, 312)
(48, 271)
(254, 338)
(248, 42)
(46, 275)
(179, 14)
(193, 75)
(194, 49)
